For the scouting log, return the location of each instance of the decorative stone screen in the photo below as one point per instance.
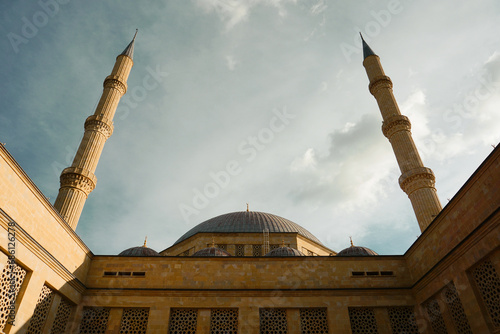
(224, 321)
(10, 283)
(435, 317)
(95, 320)
(134, 320)
(256, 250)
(313, 321)
(362, 320)
(239, 250)
(402, 320)
(274, 246)
(62, 315)
(183, 321)
(456, 309)
(222, 246)
(42, 309)
(273, 321)
(488, 284)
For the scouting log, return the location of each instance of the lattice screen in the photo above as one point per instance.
(257, 250)
(222, 246)
(42, 309)
(313, 321)
(224, 321)
(274, 246)
(273, 321)
(95, 320)
(62, 315)
(183, 321)
(456, 309)
(10, 274)
(134, 321)
(436, 317)
(240, 250)
(362, 320)
(488, 284)
(403, 320)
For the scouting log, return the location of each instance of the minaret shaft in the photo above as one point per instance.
(78, 181)
(416, 180)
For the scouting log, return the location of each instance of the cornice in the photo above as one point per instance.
(39, 251)
(43, 200)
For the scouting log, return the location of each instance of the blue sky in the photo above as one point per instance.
(270, 92)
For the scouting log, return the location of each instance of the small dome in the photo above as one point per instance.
(356, 251)
(285, 251)
(139, 251)
(211, 251)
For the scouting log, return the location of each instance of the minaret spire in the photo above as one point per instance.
(78, 180)
(367, 51)
(416, 180)
(129, 50)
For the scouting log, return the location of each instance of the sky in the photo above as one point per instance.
(263, 102)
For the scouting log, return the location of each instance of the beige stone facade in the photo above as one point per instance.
(446, 282)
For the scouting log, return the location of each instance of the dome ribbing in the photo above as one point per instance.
(248, 222)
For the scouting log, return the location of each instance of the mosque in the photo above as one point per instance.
(249, 272)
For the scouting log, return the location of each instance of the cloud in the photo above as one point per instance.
(231, 62)
(233, 12)
(351, 172)
(465, 125)
(318, 7)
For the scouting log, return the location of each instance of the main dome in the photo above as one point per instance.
(248, 222)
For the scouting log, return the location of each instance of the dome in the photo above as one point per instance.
(356, 251)
(248, 222)
(211, 251)
(139, 251)
(285, 251)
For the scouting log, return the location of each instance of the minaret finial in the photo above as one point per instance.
(145, 240)
(213, 242)
(129, 50)
(350, 238)
(247, 208)
(367, 51)
(282, 243)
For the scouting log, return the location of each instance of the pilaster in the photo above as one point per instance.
(158, 320)
(382, 319)
(293, 320)
(51, 316)
(114, 320)
(203, 321)
(26, 302)
(338, 319)
(473, 311)
(249, 320)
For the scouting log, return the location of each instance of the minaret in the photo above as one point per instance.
(416, 180)
(78, 181)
